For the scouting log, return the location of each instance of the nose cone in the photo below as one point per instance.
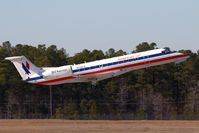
(185, 55)
(181, 58)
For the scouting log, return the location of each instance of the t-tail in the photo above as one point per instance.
(25, 68)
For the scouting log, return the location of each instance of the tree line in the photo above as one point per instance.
(162, 92)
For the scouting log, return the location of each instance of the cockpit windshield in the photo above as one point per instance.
(166, 50)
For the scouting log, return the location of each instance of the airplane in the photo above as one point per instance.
(96, 70)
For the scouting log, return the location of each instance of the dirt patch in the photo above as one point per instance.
(84, 126)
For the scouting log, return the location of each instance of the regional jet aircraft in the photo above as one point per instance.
(96, 70)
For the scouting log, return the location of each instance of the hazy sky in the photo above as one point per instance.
(101, 24)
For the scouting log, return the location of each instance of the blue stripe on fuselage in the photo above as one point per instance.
(35, 78)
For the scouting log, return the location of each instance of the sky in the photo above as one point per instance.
(100, 24)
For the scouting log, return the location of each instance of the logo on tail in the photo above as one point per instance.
(26, 68)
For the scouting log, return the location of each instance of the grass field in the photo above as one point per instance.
(87, 126)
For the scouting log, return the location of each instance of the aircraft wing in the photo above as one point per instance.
(100, 76)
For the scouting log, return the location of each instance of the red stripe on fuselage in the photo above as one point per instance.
(112, 69)
(54, 80)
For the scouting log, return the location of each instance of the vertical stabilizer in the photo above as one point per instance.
(25, 68)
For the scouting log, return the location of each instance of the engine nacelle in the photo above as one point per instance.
(63, 71)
